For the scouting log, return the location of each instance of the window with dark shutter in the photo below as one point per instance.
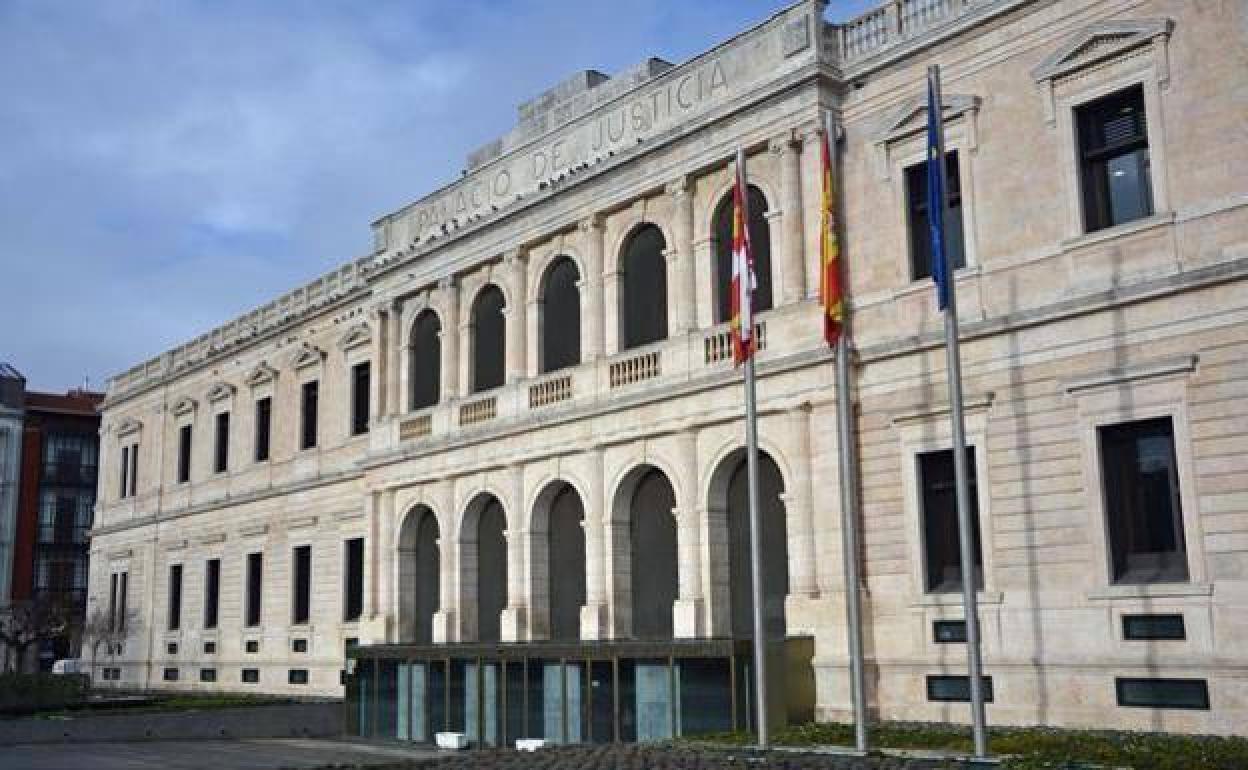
(353, 588)
(184, 454)
(361, 376)
(919, 219)
(175, 597)
(222, 463)
(264, 415)
(941, 548)
(1114, 160)
(212, 592)
(309, 429)
(303, 584)
(255, 576)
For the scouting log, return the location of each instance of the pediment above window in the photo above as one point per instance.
(263, 374)
(184, 406)
(220, 392)
(307, 355)
(129, 425)
(911, 117)
(360, 334)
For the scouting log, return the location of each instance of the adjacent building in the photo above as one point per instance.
(499, 458)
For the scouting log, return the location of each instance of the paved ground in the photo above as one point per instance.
(194, 755)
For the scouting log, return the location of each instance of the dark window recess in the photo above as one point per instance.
(171, 648)
(299, 645)
(112, 602)
(643, 296)
(938, 495)
(561, 316)
(353, 588)
(125, 471)
(175, 597)
(307, 435)
(302, 599)
(221, 462)
(1141, 479)
(255, 577)
(361, 376)
(424, 360)
(955, 688)
(1143, 627)
(212, 592)
(207, 675)
(949, 631)
(210, 648)
(1163, 693)
(264, 419)
(760, 241)
(489, 340)
(297, 676)
(251, 675)
(920, 223)
(252, 646)
(1114, 161)
(122, 593)
(134, 469)
(170, 675)
(184, 454)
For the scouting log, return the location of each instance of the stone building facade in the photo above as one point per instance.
(1100, 159)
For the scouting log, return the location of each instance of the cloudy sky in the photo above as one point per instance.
(166, 165)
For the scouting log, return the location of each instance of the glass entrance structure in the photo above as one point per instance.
(574, 692)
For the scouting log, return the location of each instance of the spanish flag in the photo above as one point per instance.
(743, 283)
(830, 291)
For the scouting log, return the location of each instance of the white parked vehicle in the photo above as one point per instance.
(70, 666)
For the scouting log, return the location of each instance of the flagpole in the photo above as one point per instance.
(953, 363)
(849, 501)
(746, 321)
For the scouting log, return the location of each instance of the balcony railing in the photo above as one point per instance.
(550, 391)
(636, 368)
(416, 427)
(717, 346)
(891, 23)
(481, 410)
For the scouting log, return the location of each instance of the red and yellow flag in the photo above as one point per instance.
(830, 291)
(743, 283)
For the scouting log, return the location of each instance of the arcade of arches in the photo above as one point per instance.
(642, 531)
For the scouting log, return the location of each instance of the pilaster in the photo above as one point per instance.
(448, 289)
(516, 266)
(513, 622)
(594, 612)
(593, 312)
(681, 288)
(792, 242)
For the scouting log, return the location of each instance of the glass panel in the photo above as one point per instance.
(514, 683)
(601, 702)
(437, 696)
(387, 694)
(404, 729)
(365, 678)
(653, 700)
(457, 718)
(552, 702)
(705, 695)
(536, 709)
(418, 719)
(575, 674)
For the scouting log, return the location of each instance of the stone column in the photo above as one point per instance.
(688, 614)
(594, 613)
(798, 506)
(810, 182)
(513, 621)
(383, 548)
(373, 505)
(448, 338)
(681, 288)
(592, 310)
(444, 627)
(379, 314)
(394, 358)
(516, 265)
(465, 345)
(792, 260)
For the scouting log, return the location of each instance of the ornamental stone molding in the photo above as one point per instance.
(307, 355)
(129, 426)
(360, 334)
(263, 374)
(184, 406)
(221, 392)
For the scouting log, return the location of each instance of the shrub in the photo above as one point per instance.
(28, 693)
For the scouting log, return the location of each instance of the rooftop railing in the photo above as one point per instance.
(892, 23)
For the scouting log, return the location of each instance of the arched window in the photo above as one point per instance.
(643, 289)
(491, 570)
(424, 358)
(760, 240)
(561, 316)
(654, 556)
(419, 575)
(774, 552)
(489, 339)
(566, 540)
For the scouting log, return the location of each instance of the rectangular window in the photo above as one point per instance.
(298, 645)
(949, 631)
(303, 584)
(938, 495)
(121, 601)
(308, 434)
(1145, 518)
(212, 592)
(251, 675)
(1145, 627)
(264, 415)
(919, 221)
(134, 469)
(1163, 693)
(125, 472)
(360, 383)
(210, 648)
(112, 602)
(956, 688)
(175, 597)
(222, 459)
(170, 675)
(207, 675)
(171, 648)
(297, 676)
(353, 588)
(1114, 161)
(252, 646)
(255, 576)
(184, 454)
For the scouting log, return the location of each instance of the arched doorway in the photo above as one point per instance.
(420, 560)
(643, 288)
(559, 559)
(652, 552)
(489, 339)
(560, 316)
(760, 240)
(483, 568)
(424, 358)
(730, 511)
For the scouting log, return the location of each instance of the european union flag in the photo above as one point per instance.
(936, 194)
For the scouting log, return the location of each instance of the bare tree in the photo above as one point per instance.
(102, 630)
(29, 622)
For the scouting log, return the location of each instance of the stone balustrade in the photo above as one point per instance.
(635, 368)
(550, 391)
(480, 410)
(892, 23)
(717, 345)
